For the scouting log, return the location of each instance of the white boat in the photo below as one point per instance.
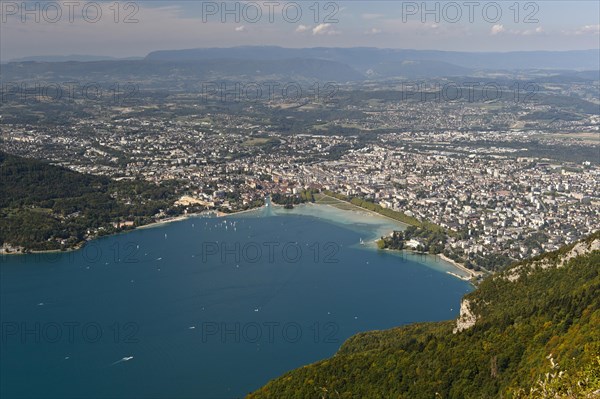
(125, 359)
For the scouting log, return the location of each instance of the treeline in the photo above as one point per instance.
(289, 201)
(431, 241)
(45, 207)
(548, 313)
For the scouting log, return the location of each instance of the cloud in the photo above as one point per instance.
(497, 29)
(241, 28)
(537, 31)
(588, 29)
(373, 31)
(302, 28)
(324, 29)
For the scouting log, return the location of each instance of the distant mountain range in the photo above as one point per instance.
(175, 73)
(72, 57)
(262, 63)
(364, 58)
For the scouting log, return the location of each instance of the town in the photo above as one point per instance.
(503, 181)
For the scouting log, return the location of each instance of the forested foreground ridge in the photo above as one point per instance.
(530, 331)
(48, 207)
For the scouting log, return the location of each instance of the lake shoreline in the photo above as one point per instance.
(10, 250)
(357, 210)
(361, 209)
(462, 267)
(371, 242)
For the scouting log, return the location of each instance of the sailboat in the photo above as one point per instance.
(362, 242)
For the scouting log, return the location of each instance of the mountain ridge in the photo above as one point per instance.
(188, 71)
(354, 64)
(363, 58)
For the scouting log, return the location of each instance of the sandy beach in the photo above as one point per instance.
(223, 214)
(472, 273)
(168, 220)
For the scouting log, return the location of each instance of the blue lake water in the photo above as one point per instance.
(207, 307)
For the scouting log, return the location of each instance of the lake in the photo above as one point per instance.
(208, 307)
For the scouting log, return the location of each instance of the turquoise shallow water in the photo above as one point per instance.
(207, 307)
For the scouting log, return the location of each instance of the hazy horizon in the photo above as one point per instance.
(112, 29)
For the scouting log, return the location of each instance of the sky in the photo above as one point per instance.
(135, 28)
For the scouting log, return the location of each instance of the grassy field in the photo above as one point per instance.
(257, 141)
(327, 200)
(358, 204)
(345, 205)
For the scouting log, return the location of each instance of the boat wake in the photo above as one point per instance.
(125, 359)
